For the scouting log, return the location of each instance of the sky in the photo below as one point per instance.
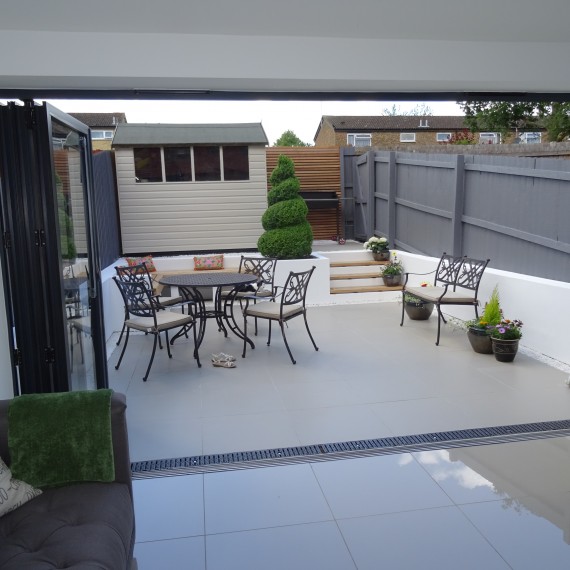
(302, 117)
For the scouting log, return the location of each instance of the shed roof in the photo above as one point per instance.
(95, 120)
(162, 134)
(396, 123)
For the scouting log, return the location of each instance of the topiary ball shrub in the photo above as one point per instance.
(288, 234)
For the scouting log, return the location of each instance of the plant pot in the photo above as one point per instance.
(381, 255)
(505, 350)
(480, 340)
(418, 311)
(392, 280)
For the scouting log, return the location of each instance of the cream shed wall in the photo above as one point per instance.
(191, 216)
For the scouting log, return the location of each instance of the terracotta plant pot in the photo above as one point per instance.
(381, 255)
(480, 340)
(505, 350)
(418, 311)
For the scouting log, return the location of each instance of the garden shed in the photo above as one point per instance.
(190, 188)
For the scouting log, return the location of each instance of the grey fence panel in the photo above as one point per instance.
(511, 210)
(347, 156)
(362, 203)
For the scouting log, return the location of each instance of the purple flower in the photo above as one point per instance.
(502, 330)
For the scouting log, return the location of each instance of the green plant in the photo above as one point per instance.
(288, 234)
(376, 244)
(413, 300)
(393, 267)
(507, 330)
(492, 313)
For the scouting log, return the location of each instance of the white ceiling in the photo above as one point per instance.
(336, 46)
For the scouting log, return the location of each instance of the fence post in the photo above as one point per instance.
(371, 211)
(458, 206)
(392, 198)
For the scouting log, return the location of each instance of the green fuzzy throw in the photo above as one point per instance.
(63, 438)
(288, 234)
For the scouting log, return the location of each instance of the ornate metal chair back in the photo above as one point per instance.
(295, 289)
(262, 267)
(137, 298)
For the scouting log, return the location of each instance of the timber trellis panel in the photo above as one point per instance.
(318, 170)
(513, 211)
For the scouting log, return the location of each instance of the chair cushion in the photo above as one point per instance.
(268, 310)
(169, 301)
(88, 525)
(432, 294)
(164, 319)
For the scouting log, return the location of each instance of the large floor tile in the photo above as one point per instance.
(248, 432)
(377, 485)
(338, 423)
(431, 539)
(259, 498)
(175, 554)
(169, 507)
(300, 547)
(527, 538)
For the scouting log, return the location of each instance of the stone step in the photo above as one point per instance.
(364, 289)
(368, 275)
(361, 262)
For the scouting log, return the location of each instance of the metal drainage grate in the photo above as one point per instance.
(348, 449)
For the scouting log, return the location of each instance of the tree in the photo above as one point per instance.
(420, 110)
(288, 234)
(506, 116)
(289, 138)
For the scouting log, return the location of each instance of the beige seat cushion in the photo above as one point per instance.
(270, 310)
(432, 294)
(169, 301)
(165, 320)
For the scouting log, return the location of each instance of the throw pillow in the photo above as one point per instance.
(13, 493)
(138, 260)
(202, 262)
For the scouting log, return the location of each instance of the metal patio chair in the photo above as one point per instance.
(143, 315)
(291, 305)
(264, 288)
(140, 273)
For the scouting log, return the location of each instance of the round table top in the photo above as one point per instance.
(213, 279)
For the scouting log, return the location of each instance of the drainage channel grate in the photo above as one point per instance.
(348, 449)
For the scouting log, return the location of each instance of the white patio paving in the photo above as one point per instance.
(493, 506)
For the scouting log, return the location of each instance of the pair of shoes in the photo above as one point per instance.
(224, 363)
(223, 357)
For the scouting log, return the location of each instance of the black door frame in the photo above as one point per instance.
(31, 256)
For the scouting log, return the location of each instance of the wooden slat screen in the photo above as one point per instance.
(318, 169)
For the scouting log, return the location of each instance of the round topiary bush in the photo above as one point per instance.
(288, 234)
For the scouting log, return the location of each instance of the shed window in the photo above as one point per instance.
(489, 138)
(530, 138)
(236, 163)
(177, 164)
(443, 137)
(101, 135)
(408, 137)
(148, 164)
(207, 163)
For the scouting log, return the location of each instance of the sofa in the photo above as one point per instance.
(79, 526)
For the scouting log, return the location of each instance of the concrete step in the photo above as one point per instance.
(363, 289)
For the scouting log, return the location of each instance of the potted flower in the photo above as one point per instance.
(479, 330)
(505, 338)
(392, 272)
(417, 309)
(378, 247)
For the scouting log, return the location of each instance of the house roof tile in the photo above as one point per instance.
(395, 123)
(99, 120)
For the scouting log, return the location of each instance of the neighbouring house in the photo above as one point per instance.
(190, 188)
(102, 125)
(396, 131)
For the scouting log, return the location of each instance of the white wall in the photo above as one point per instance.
(542, 305)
